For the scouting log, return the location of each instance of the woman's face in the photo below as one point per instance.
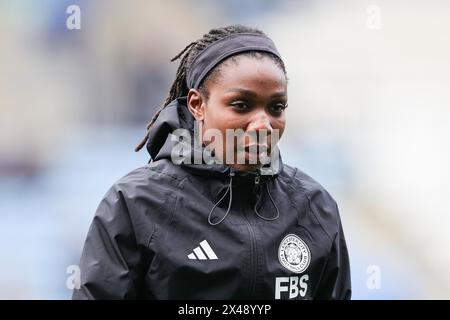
(250, 95)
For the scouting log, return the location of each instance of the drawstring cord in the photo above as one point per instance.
(273, 202)
(255, 208)
(230, 190)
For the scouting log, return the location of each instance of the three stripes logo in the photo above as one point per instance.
(206, 254)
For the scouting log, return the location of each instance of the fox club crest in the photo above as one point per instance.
(294, 254)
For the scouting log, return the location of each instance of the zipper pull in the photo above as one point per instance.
(258, 176)
(256, 187)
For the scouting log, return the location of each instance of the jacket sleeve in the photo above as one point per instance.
(111, 266)
(335, 283)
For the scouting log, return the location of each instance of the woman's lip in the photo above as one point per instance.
(258, 146)
(257, 150)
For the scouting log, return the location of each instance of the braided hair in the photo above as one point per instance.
(190, 52)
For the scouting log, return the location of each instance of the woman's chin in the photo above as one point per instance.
(245, 167)
(250, 163)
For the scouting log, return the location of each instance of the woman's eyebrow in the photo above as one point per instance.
(281, 94)
(254, 94)
(242, 91)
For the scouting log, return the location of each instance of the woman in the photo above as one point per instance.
(221, 229)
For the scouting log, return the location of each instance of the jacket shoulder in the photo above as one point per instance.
(145, 196)
(146, 189)
(320, 202)
(150, 176)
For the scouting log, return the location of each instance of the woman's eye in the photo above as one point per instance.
(240, 105)
(278, 108)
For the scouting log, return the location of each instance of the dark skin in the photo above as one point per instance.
(250, 95)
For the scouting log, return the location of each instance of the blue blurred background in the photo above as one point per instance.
(368, 118)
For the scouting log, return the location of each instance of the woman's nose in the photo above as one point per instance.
(260, 122)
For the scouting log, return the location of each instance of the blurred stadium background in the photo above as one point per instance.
(369, 118)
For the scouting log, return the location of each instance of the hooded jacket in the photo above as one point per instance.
(168, 231)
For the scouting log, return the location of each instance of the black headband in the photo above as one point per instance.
(222, 49)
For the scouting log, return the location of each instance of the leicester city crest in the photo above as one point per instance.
(294, 254)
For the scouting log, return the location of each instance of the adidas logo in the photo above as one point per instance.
(206, 254)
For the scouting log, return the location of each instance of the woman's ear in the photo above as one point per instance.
(195, 104)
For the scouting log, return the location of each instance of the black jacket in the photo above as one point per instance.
(150, 237)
